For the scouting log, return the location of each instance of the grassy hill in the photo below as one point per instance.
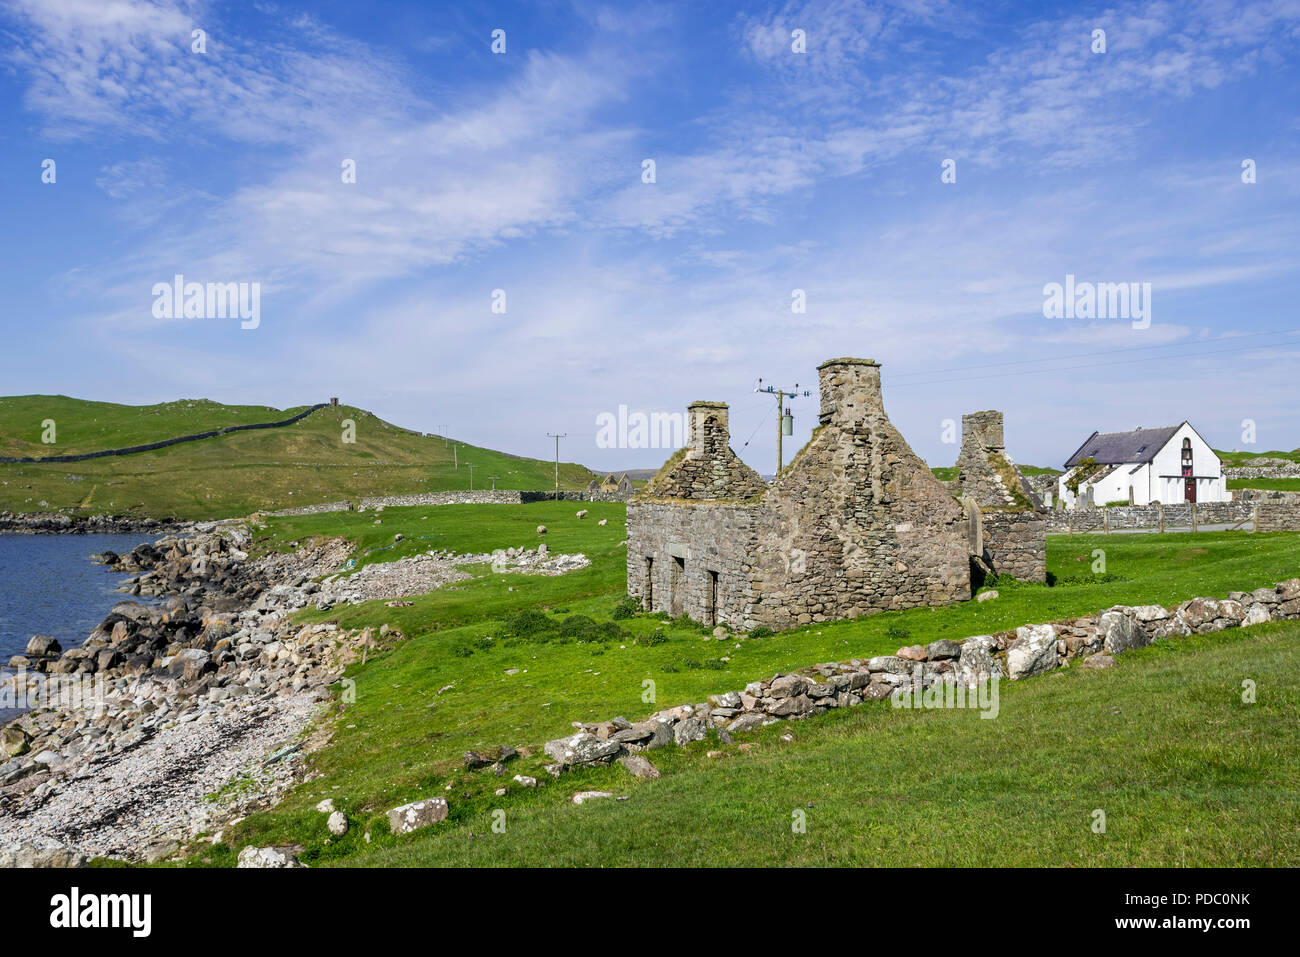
(1246, 459)
(236, 474)
(1161, 743)
(946, 473)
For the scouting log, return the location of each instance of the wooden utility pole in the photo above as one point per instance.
(557, 436)
(494, 481)
(781, 413)
(471, 468)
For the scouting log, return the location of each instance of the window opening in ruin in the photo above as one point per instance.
(675, 587)
(713, 598)
(649, 583)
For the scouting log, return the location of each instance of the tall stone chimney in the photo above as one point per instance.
(850, 391)
(982, 430)
(709, 424)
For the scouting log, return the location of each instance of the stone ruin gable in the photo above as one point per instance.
(857, 523)
(690, 530)
(693, 559)
(706, 469)
(1007, 521)
(986, 473)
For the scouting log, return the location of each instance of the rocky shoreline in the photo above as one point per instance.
(59, 523)
(175, 718)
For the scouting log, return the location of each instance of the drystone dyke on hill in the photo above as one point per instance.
(165, 443)
(968, 664)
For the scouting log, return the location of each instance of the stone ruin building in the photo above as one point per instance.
(856, 523)
(1007, 520)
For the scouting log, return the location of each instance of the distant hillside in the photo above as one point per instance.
(238, 473)
(946, 473)
(1247, 459)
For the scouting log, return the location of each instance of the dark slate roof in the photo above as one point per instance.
(1111, 448)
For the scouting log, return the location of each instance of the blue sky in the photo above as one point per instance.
(775, 171)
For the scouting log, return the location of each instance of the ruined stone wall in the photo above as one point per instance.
(1279, 516)
(857, 523)
(986, 473)
(1015, 544)
(685, 543)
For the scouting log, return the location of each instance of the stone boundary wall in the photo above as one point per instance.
(1148, 516)
(310, 509)
(1279, 516)
(1264, 495)
(165, 443)
(1027, 651)
(483, 497)
(1264, 471)
(1015, 543)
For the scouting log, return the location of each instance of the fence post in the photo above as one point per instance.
(1254, 518)
(1160, 508)
(1194, 527)
(1106, 514)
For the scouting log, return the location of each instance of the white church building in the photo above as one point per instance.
(1171, 466)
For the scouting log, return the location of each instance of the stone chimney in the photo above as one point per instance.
(982, 430)
(709, 428)
(850, 391)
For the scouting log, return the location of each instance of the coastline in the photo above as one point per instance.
(175, 717)
(60, 523)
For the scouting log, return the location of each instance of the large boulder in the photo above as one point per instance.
(1204, 615)
(43, 646)
(787, 686)
(1121, 633)
(943, 650)
(41, 852)
(582, 748)
(639, 766)
(267, 857)
(691, 729)
(890, 664)
(1033, 652)
(417, 814)
(977, 662)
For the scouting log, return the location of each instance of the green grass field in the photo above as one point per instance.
(1163, 742)
(301, 464)
(1275, 485)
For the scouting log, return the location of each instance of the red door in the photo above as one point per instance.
(1189, 489)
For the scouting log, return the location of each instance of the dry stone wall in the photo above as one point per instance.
(1015, 544)
(970, 664)
(1148, 516)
